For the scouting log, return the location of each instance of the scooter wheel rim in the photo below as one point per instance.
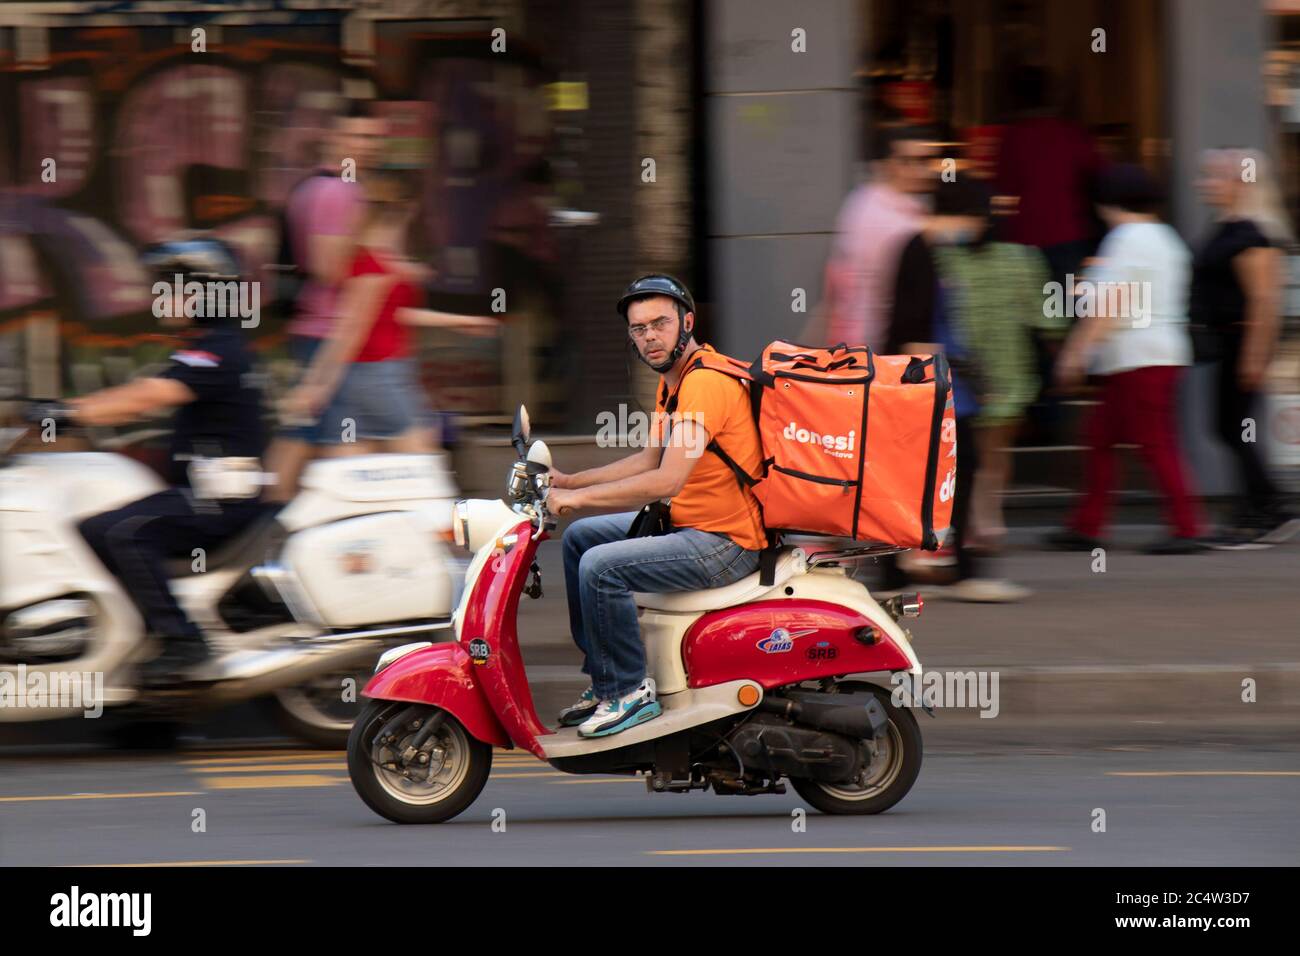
(879, 781)
(451, 736)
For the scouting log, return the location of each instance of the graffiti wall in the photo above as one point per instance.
(126, 135)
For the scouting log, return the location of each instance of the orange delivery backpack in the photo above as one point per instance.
(855, 444)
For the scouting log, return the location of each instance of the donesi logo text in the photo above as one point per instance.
(837, 446)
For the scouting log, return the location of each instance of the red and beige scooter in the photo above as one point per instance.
(754, 680)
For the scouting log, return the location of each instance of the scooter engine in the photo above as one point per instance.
(771, 743)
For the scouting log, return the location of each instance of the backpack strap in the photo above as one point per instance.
(736, 370)
(767, 561)
(743, 478)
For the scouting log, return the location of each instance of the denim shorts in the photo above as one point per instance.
(386, 398)
(327, 429)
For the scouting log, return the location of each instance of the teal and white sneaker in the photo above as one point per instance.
(576, 713)
(614, 716)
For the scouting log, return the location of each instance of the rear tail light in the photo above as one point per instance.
(904, 605)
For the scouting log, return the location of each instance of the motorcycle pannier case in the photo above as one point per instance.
(855, 444)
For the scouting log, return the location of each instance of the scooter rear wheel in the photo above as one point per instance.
(455, 770)
(890, 773)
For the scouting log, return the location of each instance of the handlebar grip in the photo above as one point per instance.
(36, 413)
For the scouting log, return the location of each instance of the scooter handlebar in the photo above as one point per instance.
(37, 413)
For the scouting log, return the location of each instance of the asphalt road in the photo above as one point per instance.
(1223, 806)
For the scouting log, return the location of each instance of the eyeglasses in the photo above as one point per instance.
(660, 325)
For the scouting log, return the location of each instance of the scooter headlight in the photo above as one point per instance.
(460, 523)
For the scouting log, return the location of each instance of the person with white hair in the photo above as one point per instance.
(1235, 299)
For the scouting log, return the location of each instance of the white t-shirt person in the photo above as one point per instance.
(1144, 268)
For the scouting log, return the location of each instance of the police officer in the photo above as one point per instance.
(217, 440)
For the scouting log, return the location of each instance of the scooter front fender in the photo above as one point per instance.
(441, 675)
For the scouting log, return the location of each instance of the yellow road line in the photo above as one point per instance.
(265, 758)
(864, 849)
(1203, 773)
(201, 756)
(272, 782)
(102, 796)
(520, 776)
(261, 767)
(170, 863)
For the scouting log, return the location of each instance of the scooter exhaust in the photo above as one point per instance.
(252, 673)
(859, 716)
(255, 672)
(404, 630)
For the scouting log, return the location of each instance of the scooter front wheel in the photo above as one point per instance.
(409, 773)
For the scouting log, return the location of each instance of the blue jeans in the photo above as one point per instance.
(601, 570)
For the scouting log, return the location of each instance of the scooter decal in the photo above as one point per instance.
(822, 651)
(781, 641)
(479, 651)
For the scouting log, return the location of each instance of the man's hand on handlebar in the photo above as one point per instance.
(562, 501)
(37, 413)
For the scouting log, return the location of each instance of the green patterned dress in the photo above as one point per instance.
(993, 294)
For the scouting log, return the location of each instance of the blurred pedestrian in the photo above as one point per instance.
(993, 292)
(368, 351)
(1135, 340)
(1046, 166)
(942, 303)
(321, 217)
(877, 219)
(1236, 287)
(1045, 171)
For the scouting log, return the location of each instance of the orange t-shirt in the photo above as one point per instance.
(712, 499)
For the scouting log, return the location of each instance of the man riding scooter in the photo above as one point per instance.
(217, 443)
(714, 534)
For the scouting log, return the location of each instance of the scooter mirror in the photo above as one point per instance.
(521, 431)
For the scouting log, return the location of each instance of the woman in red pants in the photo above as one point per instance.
(1132, 333)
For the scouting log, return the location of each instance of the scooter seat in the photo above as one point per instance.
(789, 563)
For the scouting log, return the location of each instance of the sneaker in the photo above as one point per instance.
(617, 715)
(1235, 539)
(1175, 545)
(1243, 531)
(579, 711)
(987, 591)
(1067, 539)
(1277, 528)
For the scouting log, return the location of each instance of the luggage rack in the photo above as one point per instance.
(835, 557)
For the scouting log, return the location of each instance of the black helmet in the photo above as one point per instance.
(203, 259)
(656, 283)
